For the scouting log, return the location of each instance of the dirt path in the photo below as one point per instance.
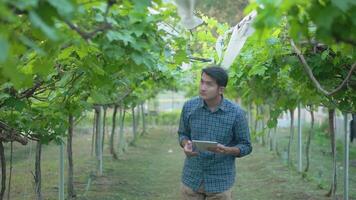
(152, 171)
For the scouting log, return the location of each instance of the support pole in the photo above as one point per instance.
(61, 172)
(346, 159)
(300, 149)
(99, 143)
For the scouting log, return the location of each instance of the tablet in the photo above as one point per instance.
(202, 145)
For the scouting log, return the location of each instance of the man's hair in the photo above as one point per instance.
(218, 74)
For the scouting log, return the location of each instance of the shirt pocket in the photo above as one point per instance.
(198, 127)
(223, 129)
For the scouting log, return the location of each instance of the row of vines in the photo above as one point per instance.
(61, 59)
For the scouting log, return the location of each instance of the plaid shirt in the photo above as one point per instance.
(227, 126)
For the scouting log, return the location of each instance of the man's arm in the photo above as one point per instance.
(184, 134)
(242, 135)
(183, 129)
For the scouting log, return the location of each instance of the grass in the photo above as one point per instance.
(151, 171)
(320, 169)
(23, 168)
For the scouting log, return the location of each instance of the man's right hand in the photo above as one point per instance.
(188, 148)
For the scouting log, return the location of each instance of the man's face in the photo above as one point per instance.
(209, 89)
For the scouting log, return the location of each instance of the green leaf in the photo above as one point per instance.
(324, 17)
(64, 80)
(180, 56)
(17, 78)
(83, 50)
(97, 70)
(114, 52)
(4, 96)
(257, 70)
(342, 4)
(25, 4)
(159, 2)
(4, 49)
(124, 36)
(43, 66)
(64, 7)
(39, 23)
(31, 44)
(99, 17)
(325, 54)
(141, 5)
(97, 97)
(15, 103)
(138, 29)
(65, 53)
(137, 58)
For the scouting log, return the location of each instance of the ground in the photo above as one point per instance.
(151, 171)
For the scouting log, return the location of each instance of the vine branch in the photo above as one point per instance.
(9, 134)
(88, 35)
(311, 76)
(101, 28)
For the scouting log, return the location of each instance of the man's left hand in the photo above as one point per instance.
(219, 149)
(225, 150)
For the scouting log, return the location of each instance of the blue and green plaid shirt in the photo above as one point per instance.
(227, 126)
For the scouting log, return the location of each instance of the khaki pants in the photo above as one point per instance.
(189, 194)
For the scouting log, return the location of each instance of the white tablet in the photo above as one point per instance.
(203, 145)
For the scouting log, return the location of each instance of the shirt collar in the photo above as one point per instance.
(222, 106)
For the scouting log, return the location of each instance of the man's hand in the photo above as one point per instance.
(219, 149)
(225, 150)
(188, 148)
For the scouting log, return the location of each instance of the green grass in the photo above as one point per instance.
(320, 169)
(151, 171)
(262, 175)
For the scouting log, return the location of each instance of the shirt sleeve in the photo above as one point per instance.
(242, 134)
(183, 130)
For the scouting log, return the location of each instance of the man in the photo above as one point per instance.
(211, 174)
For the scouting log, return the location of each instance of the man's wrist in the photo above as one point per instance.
(233, 151)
